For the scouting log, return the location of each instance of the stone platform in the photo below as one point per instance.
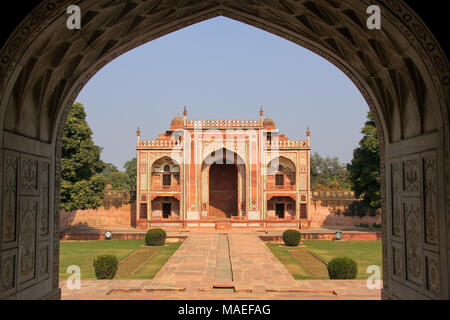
(222, 265)
(273, 234)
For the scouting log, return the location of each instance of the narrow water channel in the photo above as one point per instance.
(224, 272)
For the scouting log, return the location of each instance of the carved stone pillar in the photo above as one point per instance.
(29, 250)
(416, 227)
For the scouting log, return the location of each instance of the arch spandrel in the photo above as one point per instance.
(176, 157)
(240, 149)
(290, 164)
(164, 162)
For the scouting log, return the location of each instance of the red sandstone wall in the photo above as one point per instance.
(323, 216)
(119, 210)
(101, 217)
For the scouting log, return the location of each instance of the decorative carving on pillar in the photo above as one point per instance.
(43, 261)
(10, 197)
(432, 275)
(413, 244)
(55, 264)
(27, 238)
(396, 199)
(430, 199)
(44, 195)
(8, 272)
(411, 174)
(29, 176)
(397, 253)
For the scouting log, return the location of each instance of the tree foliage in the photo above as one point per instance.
(328, 174)
(365, 167)
(130, 169)
(81, 186)
(109, 169)
(119, 180)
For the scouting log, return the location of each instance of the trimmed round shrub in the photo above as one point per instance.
(342, 268)
(291, 238)
(105, 266)
(155, 237)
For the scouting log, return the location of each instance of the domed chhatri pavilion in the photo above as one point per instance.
(223, 174)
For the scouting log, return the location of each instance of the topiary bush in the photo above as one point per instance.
(342, 268)
(155, 237)
(291, 238)
(105, 266)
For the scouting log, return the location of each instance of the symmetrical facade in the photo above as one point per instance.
(230, 173)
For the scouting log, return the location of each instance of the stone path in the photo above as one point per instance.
(192, 266)
(145, 290)
(239, 260)
(254, 265)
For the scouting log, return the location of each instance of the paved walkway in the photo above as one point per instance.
(222, 260)
(192, 266)
(254, 265)
(146, 290)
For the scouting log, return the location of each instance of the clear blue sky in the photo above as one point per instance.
(222, 69)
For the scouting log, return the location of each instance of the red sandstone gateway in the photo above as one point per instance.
(222, 174)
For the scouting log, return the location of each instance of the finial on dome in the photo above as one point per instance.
(308, 133)
(138, 132)
(185, 111)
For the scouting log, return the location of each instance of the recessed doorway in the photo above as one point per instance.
(223, 191)
(167, 208)
(279, 207)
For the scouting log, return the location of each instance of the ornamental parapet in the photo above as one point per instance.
(334, 195)
(223, 123)
(161, 143)
(287, 144)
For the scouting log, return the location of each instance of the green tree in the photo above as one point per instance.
(130, 169)
(119, 181)
(365, 167)
(328, 172)
(109, 169)
(81, 186)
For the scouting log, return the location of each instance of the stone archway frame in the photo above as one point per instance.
(176, 157)
(291, 157)
(242, 186)
(401, 71)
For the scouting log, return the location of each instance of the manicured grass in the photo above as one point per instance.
(315, 266)
(286, 258)
(365, 253)
(135, 261)
(150, 269)
(82, 253)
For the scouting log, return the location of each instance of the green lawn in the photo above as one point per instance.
(82, 253)
(365, 253)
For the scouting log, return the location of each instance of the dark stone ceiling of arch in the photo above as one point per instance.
(434, 17)
(110, 28)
